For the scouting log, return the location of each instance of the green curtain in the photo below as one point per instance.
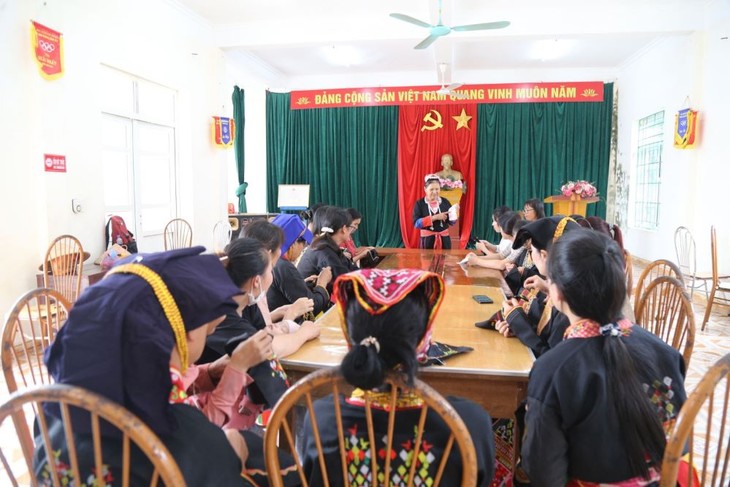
(239, 118)
(348, 156)
(529, 150)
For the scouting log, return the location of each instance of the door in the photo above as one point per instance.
(139, 176)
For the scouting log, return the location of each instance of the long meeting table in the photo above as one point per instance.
(494, 374)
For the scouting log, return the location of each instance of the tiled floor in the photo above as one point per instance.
(710, 345)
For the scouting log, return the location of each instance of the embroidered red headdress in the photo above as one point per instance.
(379, 289)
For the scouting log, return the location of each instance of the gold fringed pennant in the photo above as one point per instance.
(685, 129)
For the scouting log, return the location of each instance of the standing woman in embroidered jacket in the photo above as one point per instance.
(599, 403)
(431, 216)
(332, 227)
(387, 315)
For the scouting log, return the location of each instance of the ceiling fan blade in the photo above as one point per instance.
(411, 20)
(454, 86)
(426, 42)
(485, 26)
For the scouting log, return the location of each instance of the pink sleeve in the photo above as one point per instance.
(221, 404)
(202, 380)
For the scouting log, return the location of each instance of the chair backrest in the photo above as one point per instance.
(29, 329)
(684, 246)
(706, 409)
(130, 428)
(661, 267)
(330, 381)
(628, 272)
(713, 250)
(178, 234)
(63, 265)
(222, 232)
(665, 310)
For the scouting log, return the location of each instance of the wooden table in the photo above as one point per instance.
(90, 274)
(445, 263)
(494, 374)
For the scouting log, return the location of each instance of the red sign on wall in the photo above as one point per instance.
(54, 163)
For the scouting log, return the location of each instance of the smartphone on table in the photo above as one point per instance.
(482, 299)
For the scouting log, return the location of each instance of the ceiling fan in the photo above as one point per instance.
(450, 89)
(440, 30)
(446, 89)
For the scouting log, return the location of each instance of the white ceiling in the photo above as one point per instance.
(294, 38)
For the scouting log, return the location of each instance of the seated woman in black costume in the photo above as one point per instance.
(388, 316)
(531, 316)
(332, 229)
(118, 342)
(599, 403)
(289, 286)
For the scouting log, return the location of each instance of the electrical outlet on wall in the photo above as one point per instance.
(77, 205)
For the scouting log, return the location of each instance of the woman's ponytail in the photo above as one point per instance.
(643, 432)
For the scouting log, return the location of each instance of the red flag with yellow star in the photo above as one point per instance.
(425, 134)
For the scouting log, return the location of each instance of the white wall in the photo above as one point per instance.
(150, 39)
(693, 181)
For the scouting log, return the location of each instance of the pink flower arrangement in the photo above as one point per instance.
(582, 188)
(447, 184)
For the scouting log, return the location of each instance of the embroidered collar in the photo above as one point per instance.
(431, 205)
(381, 400)
(177, 393)
(590, 329)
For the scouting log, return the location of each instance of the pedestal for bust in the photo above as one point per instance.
(454, 197)
(570, 205)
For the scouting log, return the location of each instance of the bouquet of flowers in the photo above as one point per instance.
(581, 188)
(447, 184)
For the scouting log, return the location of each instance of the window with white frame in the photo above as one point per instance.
(648, 171)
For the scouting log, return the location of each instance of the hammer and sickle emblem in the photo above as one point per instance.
(435, 123)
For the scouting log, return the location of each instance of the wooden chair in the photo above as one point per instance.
(684, 246)
(62, 266)
(665, 310)
(707, 408)
(178, 234)
(222, 232)
(717, 283)
(130, 428)
(330, 381)
(29, 329)
(661, 267)
(628, 272)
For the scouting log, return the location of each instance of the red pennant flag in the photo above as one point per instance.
(425, 133)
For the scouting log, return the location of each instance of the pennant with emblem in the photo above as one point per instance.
(224, 129)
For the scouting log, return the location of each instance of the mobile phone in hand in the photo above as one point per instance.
(482, 299)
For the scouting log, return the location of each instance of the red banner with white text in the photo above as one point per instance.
(579, 91)
(425, 133)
